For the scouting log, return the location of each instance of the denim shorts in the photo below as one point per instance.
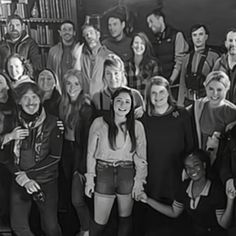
(113, 180)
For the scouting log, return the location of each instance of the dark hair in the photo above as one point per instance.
(156, 12)
(159, 81)
(233, 30)
(149, 53)
(198, 26)
(68, 22)
(129, 124)
(28, 68)
(118, 13)
(87, 25)
(14, 16)
(23, 88)
(203, 156)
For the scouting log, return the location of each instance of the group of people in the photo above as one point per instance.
(107, 120)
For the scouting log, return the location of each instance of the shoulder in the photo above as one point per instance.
(98, 123)
(55, 47)
(139, 126)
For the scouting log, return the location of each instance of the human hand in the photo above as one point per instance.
(138, 112)
(18, 133)
(21, 178)
(213, 141)
(137, 189)
(142, 197)
(89, 190)
(230, 186)
(32, 186)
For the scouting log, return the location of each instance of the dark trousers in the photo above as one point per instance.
(71, 192)
(21, 203)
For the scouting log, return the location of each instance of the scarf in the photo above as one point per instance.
(35, 135)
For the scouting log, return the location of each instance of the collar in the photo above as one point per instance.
(204, 192)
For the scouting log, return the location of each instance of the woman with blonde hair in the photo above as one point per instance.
(76, 113)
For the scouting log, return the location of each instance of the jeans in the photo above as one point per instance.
(20, 208)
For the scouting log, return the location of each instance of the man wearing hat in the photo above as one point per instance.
(118, 42)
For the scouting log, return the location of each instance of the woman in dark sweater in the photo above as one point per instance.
(169, 138)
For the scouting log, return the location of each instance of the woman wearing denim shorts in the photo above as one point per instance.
(117, 159)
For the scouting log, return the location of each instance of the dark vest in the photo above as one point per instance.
(164, 48)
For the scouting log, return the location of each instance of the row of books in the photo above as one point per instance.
(42, 34)
(21, 10)
(3, 31)
(55, 9)
(5, 10)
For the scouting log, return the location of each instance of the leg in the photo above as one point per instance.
(20, 209)
(78, 201)
(48, 210)
(125, 206)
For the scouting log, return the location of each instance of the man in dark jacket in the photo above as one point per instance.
(18, 41)
(169, 45)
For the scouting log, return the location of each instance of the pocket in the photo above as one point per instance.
(101, 167)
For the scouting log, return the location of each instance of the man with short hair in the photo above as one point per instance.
(197, 64)
(90, 58)
(118, 42)
(60, 56)
(169, 45)
(18, 41)
(227, 63)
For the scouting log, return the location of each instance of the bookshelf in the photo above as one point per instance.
(42, 19)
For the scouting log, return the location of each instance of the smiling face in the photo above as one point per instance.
(194, 167)
(113, 77)
(138, 46)
(46, 81)
(199, 37)
(15, 68)
(159, 96)
(216, 92)
(30, 102)
(67, 32)
(73, 87)
(230, 43)
(122, 104)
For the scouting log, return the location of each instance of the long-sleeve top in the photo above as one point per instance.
(99, 148)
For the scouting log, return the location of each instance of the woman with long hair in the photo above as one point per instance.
(143, 65)
(116, 162)
(76, 113)
(48, 82)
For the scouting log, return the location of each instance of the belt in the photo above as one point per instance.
(114, 163)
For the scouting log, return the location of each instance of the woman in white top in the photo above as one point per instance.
(117, 158)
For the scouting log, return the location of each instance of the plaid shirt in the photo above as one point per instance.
(146, 71)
